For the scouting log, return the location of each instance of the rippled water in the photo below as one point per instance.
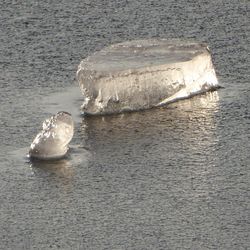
(175, 177)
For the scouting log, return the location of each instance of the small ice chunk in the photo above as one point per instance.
(142, 74)
(52, 142)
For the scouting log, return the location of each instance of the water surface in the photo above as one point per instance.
(175, 177)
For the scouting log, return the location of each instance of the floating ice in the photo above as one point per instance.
(143, 74)
(52, 142)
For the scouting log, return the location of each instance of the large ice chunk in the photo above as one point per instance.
(142, 74)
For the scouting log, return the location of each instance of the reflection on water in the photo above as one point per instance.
(172, 146)
(59, 168)
(58, 173)
(191, 119)
(63, 171)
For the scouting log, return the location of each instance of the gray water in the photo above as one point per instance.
(175, 177)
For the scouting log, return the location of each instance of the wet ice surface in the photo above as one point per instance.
(52, 142)
(175, 177)
(142, 74)
(142, 53)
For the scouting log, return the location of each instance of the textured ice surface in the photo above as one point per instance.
(52, 142)
(144, 73)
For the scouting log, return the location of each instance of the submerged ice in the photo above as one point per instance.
(142, 74)
(52, 142)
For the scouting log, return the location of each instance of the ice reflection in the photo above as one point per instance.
(59, 168)
(187, 119)
(172, 143)
(172, 148)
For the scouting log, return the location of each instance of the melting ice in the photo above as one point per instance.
(52, 142)
(142, 74)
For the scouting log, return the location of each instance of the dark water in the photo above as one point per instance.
(170, 178)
